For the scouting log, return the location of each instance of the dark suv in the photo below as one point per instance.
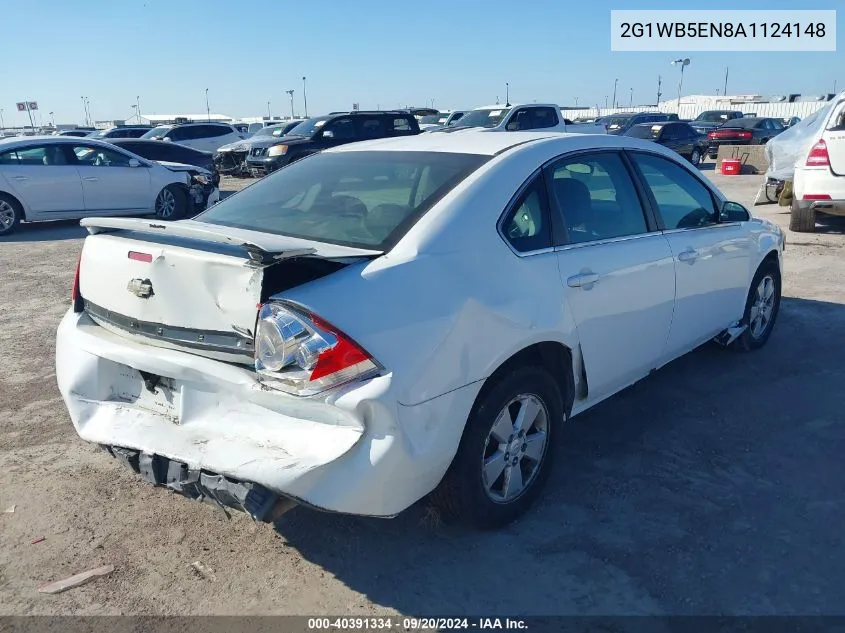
(623, 121)
(320, 133)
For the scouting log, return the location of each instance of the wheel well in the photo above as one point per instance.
(552, 356)
(771, 258)
(14, 199)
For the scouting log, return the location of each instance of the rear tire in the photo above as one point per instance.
(695, 157)
(761, 308)
(503, 459)
(171, 203)
(801, 220)
(11, 213)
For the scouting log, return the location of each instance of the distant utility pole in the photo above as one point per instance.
(631, 104)
(576, 102)
(290, 93)
(659, 94)
(138, 107)
(3, 125)
(269, 116)
(507, 94)
(304, 97)
(615, 81)
(726, 82)
(207, 108)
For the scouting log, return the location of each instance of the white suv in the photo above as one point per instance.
(819, 184)
(207, 137)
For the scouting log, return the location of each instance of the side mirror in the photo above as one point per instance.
(134, 162)
(734, 212)
(167, 139)
(513, 126)
(328, 134)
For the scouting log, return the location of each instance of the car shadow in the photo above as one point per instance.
(711, 487)
(49, 231)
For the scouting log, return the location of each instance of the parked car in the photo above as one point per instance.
(744, 131)
(314, 135)
(711, 119)
(819, 181)
(170, 153)
(231, 158)
(208, 137)
(281, 347)
(441, 121)
(676, 135)
(522, 117)
(122, 131)
(623, 121)
(56, 177)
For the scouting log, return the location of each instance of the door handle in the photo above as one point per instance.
(689, 256)
(90, 178)
(584, 280)
(21, 177)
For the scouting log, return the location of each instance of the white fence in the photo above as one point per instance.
(800, 109)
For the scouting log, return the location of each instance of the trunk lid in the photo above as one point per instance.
(187, 284)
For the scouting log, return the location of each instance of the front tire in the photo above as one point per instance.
(801, 220)
(171, 203)
(506, 452)
(11, 214)
(761, 308)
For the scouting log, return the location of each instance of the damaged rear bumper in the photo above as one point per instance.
(354, 450)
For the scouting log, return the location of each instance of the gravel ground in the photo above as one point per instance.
(712, 487)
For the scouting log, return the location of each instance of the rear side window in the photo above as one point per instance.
(182, 133)
(682, 200)
(401, 124)
(526, 226)
(543, 117)
(370, 127)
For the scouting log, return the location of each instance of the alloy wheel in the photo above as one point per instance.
(7, 215)
(760, 316)
(165, 204)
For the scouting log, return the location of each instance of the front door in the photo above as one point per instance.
(44, 180)
(616, 269)
(109, 184)
(712, 258)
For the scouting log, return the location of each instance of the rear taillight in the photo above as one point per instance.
(711, 135)
(818, 156)
(745, 135)
(302, 354)
(816, 196)
(75, 296)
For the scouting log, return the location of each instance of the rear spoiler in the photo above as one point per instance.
(261, 252)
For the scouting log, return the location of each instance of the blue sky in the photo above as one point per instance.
(373, 52)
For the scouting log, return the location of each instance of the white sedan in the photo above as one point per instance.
(390, 318)
(60, 178)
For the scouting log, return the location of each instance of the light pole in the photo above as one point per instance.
(290, 92)
(207, 108)
(269, 116)
(304, 97)
(2, 124)
(683, 63)
(576, 102)
(134, 106)
(507, 94)
(85, 110)
(631, 103)
(615, 81)
(138, 107)
(659, 94)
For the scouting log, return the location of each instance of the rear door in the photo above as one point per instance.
(109, 184)
(712, 258)
(43, 179)
(370, 126)
(616, 268)
(834, 138)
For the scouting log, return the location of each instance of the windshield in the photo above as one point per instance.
(99, 133)
(644, 131)
(615, 122)
(359, 199)
(712, 116)
(308, 127)
(484, 118)
(269, 130)
(158, 132)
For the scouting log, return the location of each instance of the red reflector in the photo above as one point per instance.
(345, 353)
(140, 257)
(816, 196)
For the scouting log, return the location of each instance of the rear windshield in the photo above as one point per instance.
(713, 116)
(615, 122)
(741, 123)
(359, 199)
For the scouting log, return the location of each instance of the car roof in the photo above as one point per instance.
(18, 141)
(504, 106)
(484, 142)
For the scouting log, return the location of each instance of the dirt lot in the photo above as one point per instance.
(715, 486)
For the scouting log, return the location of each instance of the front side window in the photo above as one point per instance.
(681, 199)
(543, 117)
(341, 129)
(596, 198)
(526, 226)
(520, 121)
(158, 132)
(361, 199)
(93, 156)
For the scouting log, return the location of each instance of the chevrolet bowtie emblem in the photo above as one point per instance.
(142, 288)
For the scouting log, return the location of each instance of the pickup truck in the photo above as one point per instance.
(521, 117)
